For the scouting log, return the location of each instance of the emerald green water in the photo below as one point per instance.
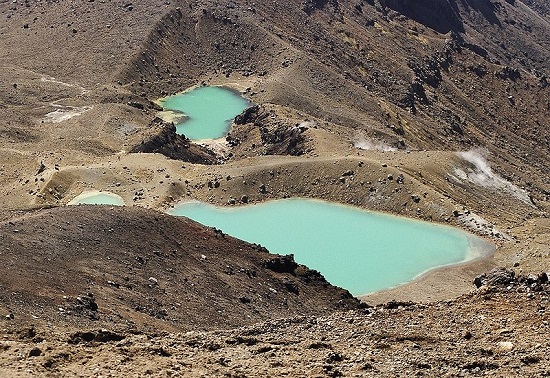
(208, 111)
(358, 250)
(96, 198)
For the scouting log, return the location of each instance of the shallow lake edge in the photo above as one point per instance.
(91, 193)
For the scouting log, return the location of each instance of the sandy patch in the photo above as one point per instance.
(64, 113)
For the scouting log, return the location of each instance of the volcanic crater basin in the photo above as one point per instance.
(203, 112)
(358, 250)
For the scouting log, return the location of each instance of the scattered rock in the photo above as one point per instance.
(496, 277)
(101, 336)
(35, 352)
(505, 346)
(137, 105)
(41, 169)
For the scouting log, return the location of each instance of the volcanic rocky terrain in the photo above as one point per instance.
(432, 109)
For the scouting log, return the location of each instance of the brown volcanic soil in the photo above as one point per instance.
(148, 270)
(385, 89)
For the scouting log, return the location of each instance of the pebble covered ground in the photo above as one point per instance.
(499, 330)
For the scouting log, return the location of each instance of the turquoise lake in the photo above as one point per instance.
(97, 199)
(207, 112)
(358, 250)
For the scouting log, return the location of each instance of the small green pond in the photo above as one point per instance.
(97, 198)
(205, 112)
(356, 249)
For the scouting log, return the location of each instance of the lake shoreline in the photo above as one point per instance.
(477, 248)
(437, 284)
(203, 112)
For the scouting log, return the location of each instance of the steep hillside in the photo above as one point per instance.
(133, 269)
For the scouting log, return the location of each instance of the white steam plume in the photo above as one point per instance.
(481, 174)
(362, 142)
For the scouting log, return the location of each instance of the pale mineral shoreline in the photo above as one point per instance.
(437, 284)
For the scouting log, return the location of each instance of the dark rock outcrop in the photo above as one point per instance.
(504, 278)
(249, 115)
(441, 16)
(85, 306)
(282, 264)
(496, 277)
(278, 137)
(508, 73)
(167, 142)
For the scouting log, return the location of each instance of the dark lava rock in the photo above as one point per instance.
(174, 146)
(440, 16)
(41, 169)
(85, 306)
(281, 264)
(249, 115)
(137, 105)
(35, 352)
(496, 277)
(244, 300)
(27, 333)
(508, 73)
(392, 305)
(292, 287)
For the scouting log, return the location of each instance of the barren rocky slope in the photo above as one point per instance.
(498, 331)
(433, 109)
(145, 269)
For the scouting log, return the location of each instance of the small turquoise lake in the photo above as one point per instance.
(358, 250)
(97, 198)
(205, 112)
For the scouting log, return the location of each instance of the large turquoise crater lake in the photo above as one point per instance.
(205, 112)
(358, 250)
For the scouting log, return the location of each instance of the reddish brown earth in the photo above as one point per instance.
(381, 88)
